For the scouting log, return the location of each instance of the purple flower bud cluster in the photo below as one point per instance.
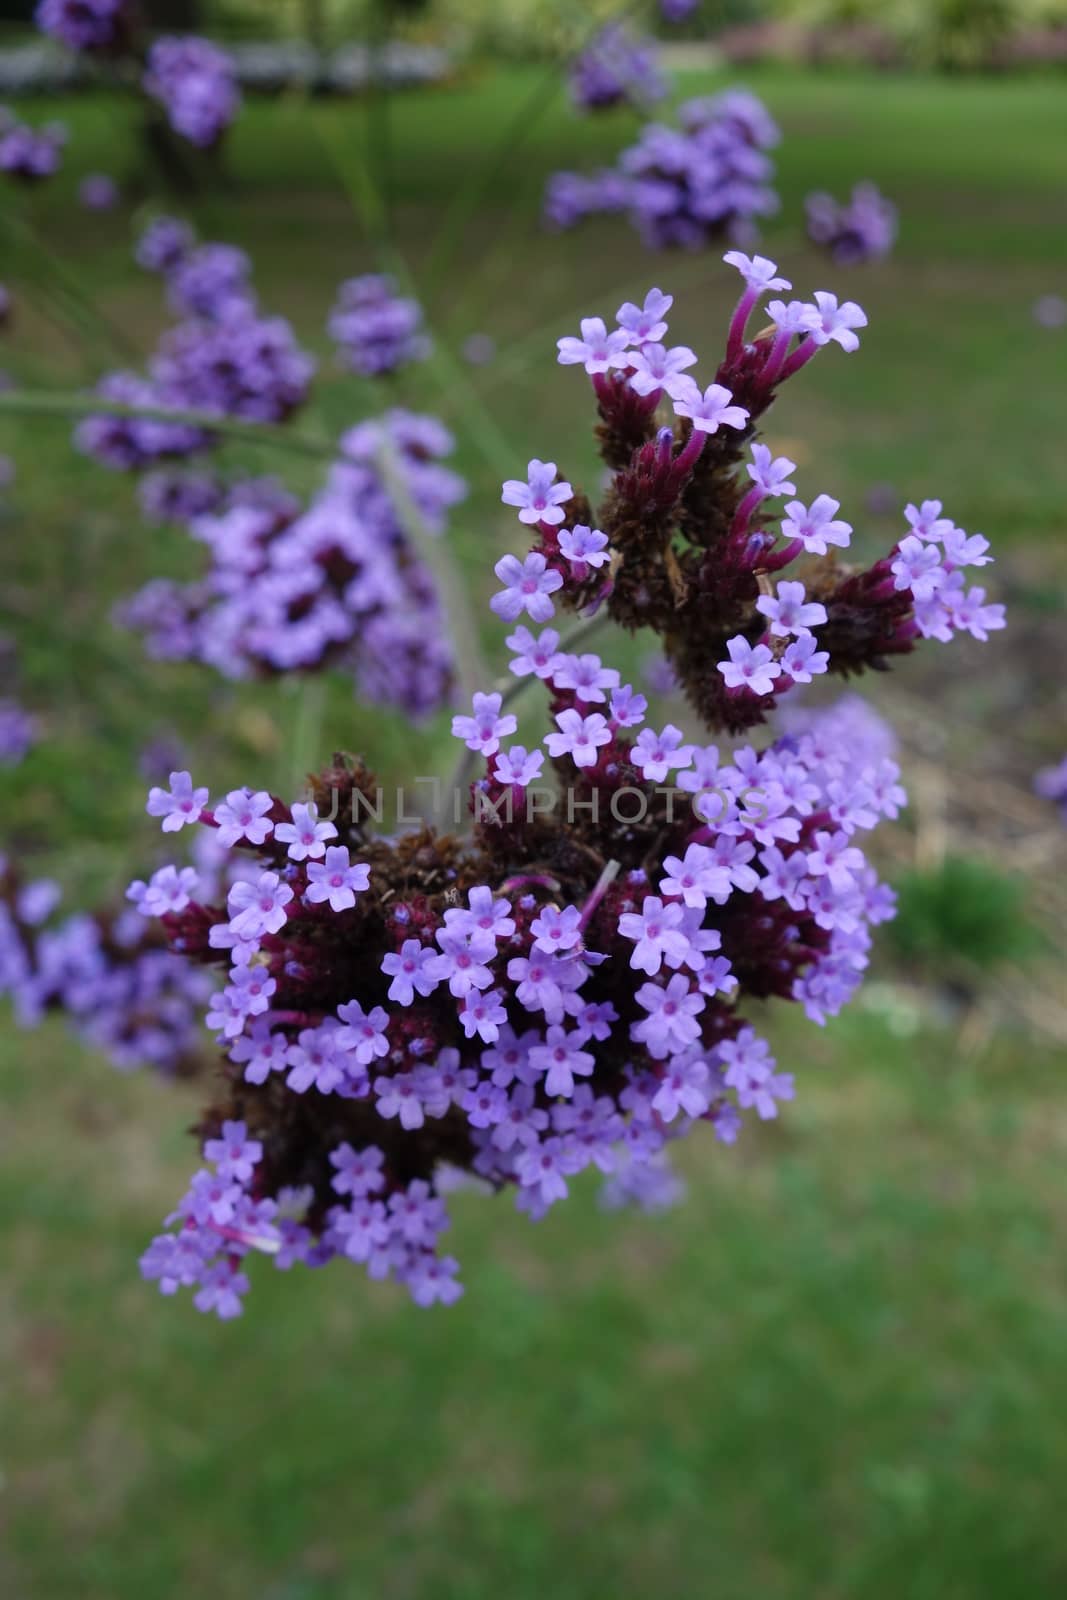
(195, 83)
(376, 329)
(615, 69)
(226, 357)
(864, 229)
(99, 26)
(677, 10)
(164, 244)
(703, 180)
(1051, 784)
(336, 584)
(111, 976)
(568, 985)
(30, 154)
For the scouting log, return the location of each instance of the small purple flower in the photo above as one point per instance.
(555, 931)
(306, 835)
(561, 1059)
(407, 968)
(259, 907)
(837, 322)
(789, 612)
(179, 804)
(364, 1032)
(533, 655)
(336, 880)
(539, 500)
(234, 1155)
(578, 737)
(518, 766)
(654, 754)
(646, 324)
(656, 367)
(527, 586)
(749, 667)
(597, 350)
(244, 816)
(584, 546)
(484, 730)
(769, 473)
(658, 935)
(671, 1023)
(815, 526)
(803, 660)
(169, 889)
(759, 273)
(708, 411)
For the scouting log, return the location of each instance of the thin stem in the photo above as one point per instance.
(28, 402)
(462, 627)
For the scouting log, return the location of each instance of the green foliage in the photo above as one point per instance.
(963, 912)
(942, 33)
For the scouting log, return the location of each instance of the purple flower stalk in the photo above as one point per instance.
(292, 589)
(98, 26)
(863, 229)
(376, 329)
(567, 985)
(706, 179)
(615, 69)
(195, 83)
(30, 154)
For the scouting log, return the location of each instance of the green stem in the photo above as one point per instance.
(472, 674)
(37, 403)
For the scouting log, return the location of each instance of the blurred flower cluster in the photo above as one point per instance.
(683, 186)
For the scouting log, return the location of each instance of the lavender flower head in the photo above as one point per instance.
(616, 69)
(98, 192)
(207, 281)
(100, 26)
(163, 245)
(568, 984)
(335, 584)
(863, 229)
(685, 186)
(195, 83)
(109, 974)
(677, 10)
(30, 154)
(376, 330)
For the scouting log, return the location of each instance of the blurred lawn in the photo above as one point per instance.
(838, 1369)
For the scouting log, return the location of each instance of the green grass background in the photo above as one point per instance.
(838, 1369)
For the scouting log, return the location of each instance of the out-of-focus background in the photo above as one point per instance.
(838, 1368)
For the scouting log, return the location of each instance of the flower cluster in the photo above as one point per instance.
(99, 26)
(19, 729)
(292, 590)
(194, 81)
(693, 529)
(111, 976)
(707, 178)
(864, 229)
(376, 329)
(30, 154)
(616, 68)
(677, 10)
(566, 987)
(225, 357)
